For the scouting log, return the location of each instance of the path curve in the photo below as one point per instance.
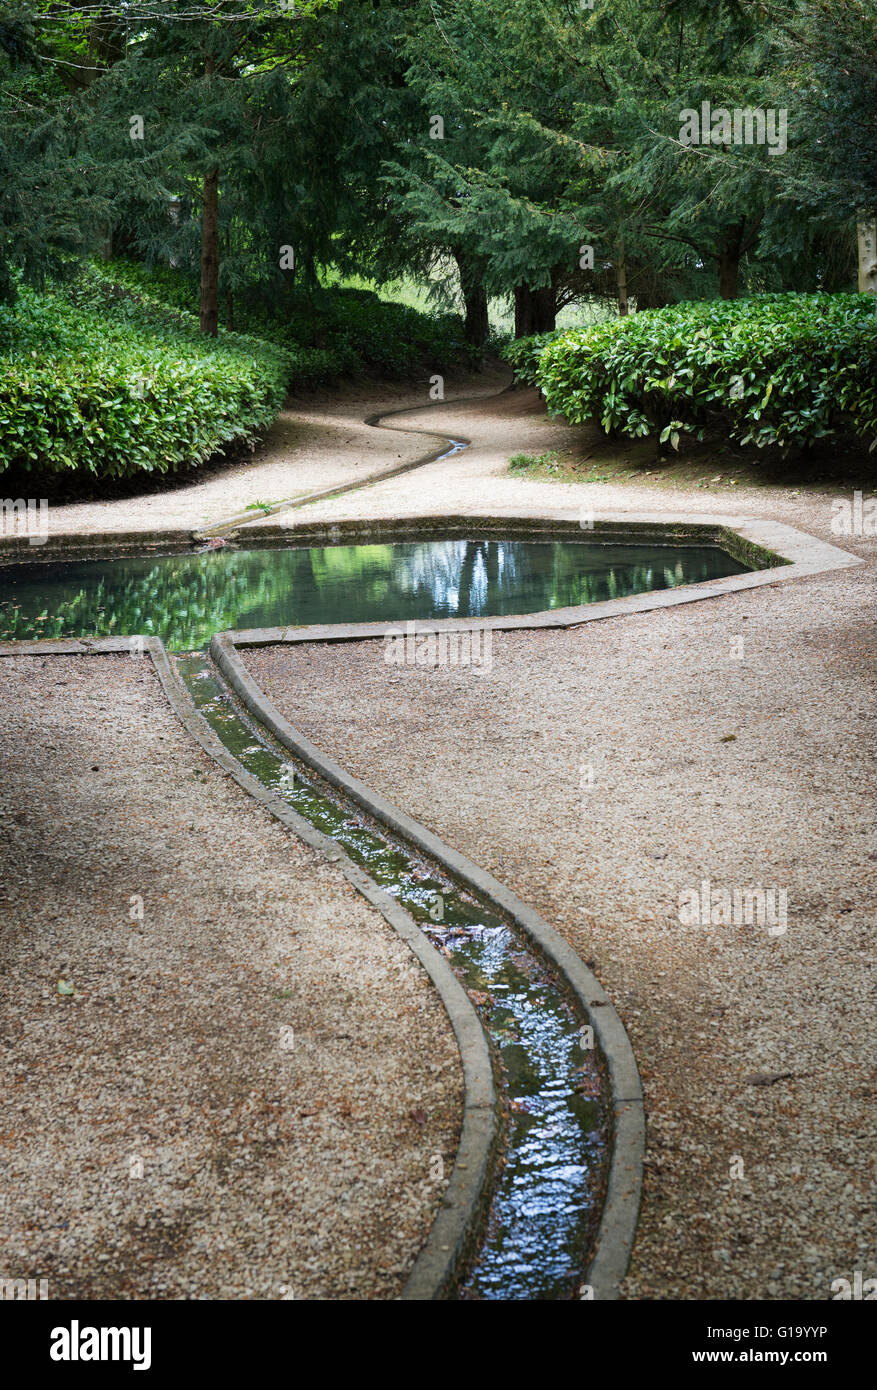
(237, 522)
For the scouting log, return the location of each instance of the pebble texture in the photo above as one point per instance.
(261, 1047)
(752, 766)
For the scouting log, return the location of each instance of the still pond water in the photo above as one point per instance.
(185, 599)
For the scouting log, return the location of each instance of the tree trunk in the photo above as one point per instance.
(729, 262)
(535, 311)
(867, 231)
(474, 297)
(621, 281)
(121, 243)
(467, 574)
(210, 255)
(729, 274)
(477, 325)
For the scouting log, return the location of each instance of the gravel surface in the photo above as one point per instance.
(752, 771)
(262, 1043)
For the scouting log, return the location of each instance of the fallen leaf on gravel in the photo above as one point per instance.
(65, 987)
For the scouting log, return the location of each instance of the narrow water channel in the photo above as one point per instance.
(552, 1171)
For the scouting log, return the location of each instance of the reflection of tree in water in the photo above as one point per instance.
(182, 600)
(457, 575)
(368, 569)
(430, 578)
(473, 578)
(185, 599)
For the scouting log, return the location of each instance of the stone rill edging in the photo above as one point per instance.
(784, 554)
(456, 1227)
(617, 1228)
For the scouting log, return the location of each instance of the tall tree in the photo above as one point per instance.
(831, 56)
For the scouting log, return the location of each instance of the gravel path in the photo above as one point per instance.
(261, 1042)
(477, 480)
(313, 444)
(752, 771)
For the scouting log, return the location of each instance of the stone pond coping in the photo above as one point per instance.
(782, 552)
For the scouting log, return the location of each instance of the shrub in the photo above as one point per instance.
(110, 375)
(780, 369)
(101, 381)
(524, 354)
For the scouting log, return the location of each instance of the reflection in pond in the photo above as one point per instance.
(184, 599)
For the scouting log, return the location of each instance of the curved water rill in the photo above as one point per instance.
(219, 529)
(551, 1173)
(559, 1209)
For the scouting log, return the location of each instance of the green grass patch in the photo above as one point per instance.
(535, 463)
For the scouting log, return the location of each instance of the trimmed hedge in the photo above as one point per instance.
(97, 380)
(779, 369)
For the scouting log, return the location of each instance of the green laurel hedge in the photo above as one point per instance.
(99, 376)
(779, 369)
(96, 380)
